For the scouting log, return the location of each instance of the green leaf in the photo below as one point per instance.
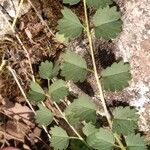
(74, 67)
(116, 77)
(58, 90)
(107, 23)
(125, 120)
(99, 3)
(69, 25)
(78, 145)
(43, 116)
(81, 109)
(71, 2)
(135, 142)
(101, 140)
(60, 139)
(36, 94)
(47, 71)
(89, 128)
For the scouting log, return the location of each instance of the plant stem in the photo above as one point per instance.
(108, 116)
(90, 70)
(17, 13)
(94, 65)
(64, 117)
(25, 97)
(119, 142)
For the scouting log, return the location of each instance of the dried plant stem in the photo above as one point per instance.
(24, 95)
(17, 13)
(2, 64)
(108, 116)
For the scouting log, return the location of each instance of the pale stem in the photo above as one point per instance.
(24, 95)
(97, 76)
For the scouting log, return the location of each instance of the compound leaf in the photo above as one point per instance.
(69, 25)
(60, 139)
(36, 94)
(43, 116)
(71, 2)
(58, 90)
(107, 23)
(74, 67)
(89, 128)
(135, 142)
(99, 3)
(116, 77)
(125, 120)
(47, 70)
(81, 109)
(101, 140)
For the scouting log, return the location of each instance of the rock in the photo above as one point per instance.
(133, 45)
(9, 9)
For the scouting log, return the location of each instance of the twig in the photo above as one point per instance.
(17, 13)
(2, 64)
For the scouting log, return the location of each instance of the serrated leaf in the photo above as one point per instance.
(125, 120)
(70, 26)
(71, 2)
(36, 94)
(81, 109)
(89, 128)
(135, 142)
(47, 70)
(58, 90)
(43, 116)
(101, 140)
(60, 139)
(116, 77)
(74, 67)
(107, 23)
(99, 3)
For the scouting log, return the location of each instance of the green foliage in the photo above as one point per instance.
(71, 2)
(60, 139)
(77, 145)
(125, 120)
(69, 25)
(43, 116)
(74, 67)
(99, 3)
(81, 109)
(107, 23)
(101, 140)
(116, 77)
(58, 90)
(47, 70)
(36, 94)
(135, 142)
(89, 128)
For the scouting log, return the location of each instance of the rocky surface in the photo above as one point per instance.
(133, 45)
(9, 9)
